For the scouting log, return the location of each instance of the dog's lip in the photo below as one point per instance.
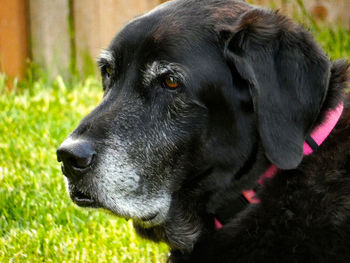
(83, 200)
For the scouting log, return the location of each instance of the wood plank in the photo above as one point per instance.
(13, 37)
(97, 22)
(334, 11)
(50, 40)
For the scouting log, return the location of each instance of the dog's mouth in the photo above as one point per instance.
(83, 200)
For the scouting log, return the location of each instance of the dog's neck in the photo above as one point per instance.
(312, 143)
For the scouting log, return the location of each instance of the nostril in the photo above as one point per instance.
(77, 156)
(82, 162)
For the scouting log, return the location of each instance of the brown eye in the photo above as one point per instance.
(171, 82)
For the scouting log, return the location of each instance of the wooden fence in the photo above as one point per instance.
(56, 33)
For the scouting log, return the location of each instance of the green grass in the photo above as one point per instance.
(334, 39)
(38, 222)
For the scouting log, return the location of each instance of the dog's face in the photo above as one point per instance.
(145, 138)
(191, 88)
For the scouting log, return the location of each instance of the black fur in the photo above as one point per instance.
(253, 86)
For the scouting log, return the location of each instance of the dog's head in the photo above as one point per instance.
(192, 88)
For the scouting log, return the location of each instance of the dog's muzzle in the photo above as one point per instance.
(77, 157)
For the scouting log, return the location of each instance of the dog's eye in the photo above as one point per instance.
(108, 70)
(171, 82)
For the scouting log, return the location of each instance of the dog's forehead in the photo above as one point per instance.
(153, 25)
(149, 36)
(172, 27)
(181, 18)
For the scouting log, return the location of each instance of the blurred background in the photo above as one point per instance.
(65, 36)
(48, 83)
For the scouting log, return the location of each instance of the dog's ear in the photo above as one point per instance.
(287, 74)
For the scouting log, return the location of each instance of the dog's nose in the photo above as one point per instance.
(77, 157)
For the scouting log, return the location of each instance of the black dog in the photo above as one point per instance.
(201, 97)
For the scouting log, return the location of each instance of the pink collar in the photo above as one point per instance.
(318, 135)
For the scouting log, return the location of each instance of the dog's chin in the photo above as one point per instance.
(149, 221)
(146, 221)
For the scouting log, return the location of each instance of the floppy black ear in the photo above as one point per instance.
(288, 76)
